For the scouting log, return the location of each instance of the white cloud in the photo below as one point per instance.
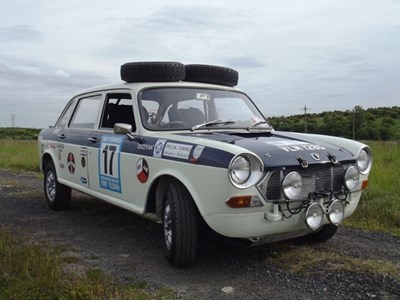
(326, 54)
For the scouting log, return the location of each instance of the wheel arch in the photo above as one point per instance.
(46, 158)
(155, 197)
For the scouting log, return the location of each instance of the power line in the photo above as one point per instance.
(305, 108)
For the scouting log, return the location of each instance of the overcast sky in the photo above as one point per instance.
(328, 55)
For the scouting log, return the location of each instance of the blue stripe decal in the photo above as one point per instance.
(173, 150)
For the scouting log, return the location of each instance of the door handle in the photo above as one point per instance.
(62, 136)
(93, 139)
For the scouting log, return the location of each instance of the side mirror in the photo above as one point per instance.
(122, 128)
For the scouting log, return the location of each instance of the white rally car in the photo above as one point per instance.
(180, 145)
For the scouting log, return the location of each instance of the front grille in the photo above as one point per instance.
(317, 180)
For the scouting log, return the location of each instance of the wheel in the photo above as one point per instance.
(326, 233)
(212, 74)
(58, 196)
(179, 226)
(152, 71)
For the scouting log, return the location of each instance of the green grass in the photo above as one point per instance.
(307, 260)
(29, 271)
(19, 155)
(379, 208)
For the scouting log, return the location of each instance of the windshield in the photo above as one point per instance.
(195, 109)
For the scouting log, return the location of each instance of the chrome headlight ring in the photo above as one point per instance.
(245, 170)
(364, 160)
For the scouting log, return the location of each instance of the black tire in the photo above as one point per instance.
(212, 74)
(152, 71)
(58, 196)
(326, 233)
(179, 226)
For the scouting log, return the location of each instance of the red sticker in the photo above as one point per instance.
(71, 163)
(142, 170)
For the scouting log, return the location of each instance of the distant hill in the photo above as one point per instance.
(381, 123)
(19, 133)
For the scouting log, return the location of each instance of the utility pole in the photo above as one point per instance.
(354, 125)
(305, 108)
(12, 118)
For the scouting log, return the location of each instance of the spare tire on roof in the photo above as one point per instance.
(212, 74)
(157, 71)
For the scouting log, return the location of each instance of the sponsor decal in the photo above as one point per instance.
(158, 148)
(60, 146)
(59, 154)
(142, 170)
(109, 162)
(294, 146)
(84, 180)
(197, 151)
(71, 163)
(175, 150)
(52, 145)
(145, 147)
(62, 166)
(83, 161)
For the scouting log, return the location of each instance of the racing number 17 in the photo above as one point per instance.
(106, 150)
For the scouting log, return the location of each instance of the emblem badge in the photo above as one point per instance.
(315, 156)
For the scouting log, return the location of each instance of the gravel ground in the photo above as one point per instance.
(129, 248)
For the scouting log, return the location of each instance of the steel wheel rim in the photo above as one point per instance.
(167, 226)
(51, 186)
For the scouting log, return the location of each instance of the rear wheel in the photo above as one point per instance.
(58, 196)
(179, 226)
(326, 233)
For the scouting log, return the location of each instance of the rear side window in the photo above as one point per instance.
(66, 116)
(86, 112)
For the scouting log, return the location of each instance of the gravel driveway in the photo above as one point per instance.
(129, 248)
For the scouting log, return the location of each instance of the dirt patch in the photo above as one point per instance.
(129, 248)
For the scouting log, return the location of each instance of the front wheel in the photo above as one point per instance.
(180, 226)
(326, 233)
(58, 196)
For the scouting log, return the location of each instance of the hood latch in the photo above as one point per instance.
(302, 161)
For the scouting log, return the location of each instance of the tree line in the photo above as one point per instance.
(381, 123)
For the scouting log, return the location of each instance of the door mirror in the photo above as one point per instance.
(122, 128)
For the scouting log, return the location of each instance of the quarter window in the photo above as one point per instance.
(86, 112)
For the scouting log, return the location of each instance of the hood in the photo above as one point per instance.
(278, 149)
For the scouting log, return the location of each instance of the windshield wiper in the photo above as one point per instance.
(211, 123)
(256, 124)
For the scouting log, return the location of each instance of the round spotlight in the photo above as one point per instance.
(314, 216)
(351, 178)
(292, 186)
(336, 212)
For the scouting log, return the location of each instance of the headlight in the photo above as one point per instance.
(364, 160)
(245, 170)
(351, 178)
(292, 186)
(240, 170)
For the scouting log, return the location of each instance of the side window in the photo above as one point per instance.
(86, 112)
(66, 115)
(118, 109)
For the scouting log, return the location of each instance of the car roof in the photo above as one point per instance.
(136, 86)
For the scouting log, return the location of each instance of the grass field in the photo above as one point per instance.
(37, 272)
(379, 208)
